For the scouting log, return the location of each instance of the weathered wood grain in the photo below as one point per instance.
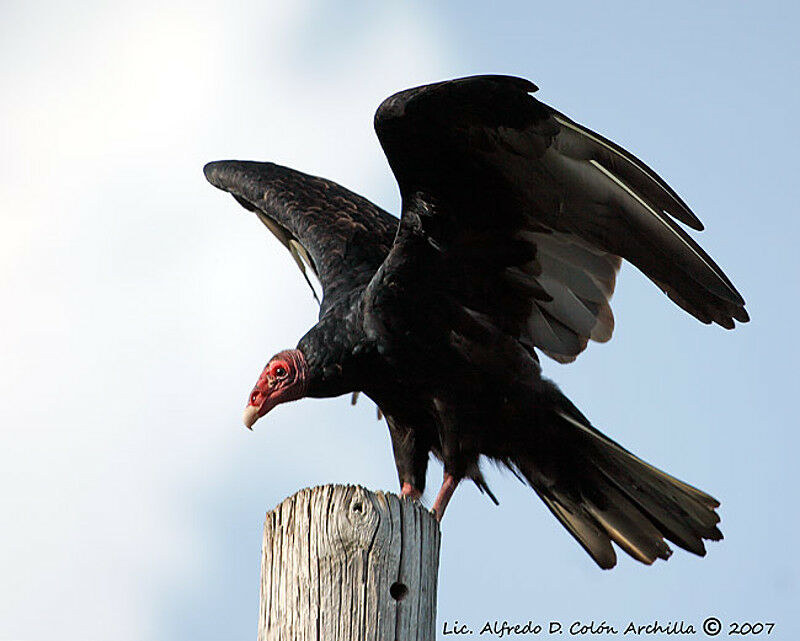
(341, 563)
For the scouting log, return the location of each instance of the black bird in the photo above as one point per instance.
(514, 222)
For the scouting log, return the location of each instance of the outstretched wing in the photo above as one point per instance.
(530, 213)
(340, 236)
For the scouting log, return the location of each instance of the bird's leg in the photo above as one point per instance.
(409, 491)
(443, 498)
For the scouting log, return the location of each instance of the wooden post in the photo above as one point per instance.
(341, 563)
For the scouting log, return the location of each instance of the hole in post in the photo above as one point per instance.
(398, 591)
(357, 507)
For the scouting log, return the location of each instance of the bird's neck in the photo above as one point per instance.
(336, 351)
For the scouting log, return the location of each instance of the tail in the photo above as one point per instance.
(601, 492)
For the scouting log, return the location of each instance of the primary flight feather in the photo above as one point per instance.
(514, 222)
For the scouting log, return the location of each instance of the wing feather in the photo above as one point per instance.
(578, 141)
(480, 158)
(339, 236)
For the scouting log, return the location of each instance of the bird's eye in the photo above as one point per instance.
(253, 398)
(279, 369)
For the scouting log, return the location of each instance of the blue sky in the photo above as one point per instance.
(140, 304)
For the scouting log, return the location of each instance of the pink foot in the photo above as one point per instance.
(409, 491)
(443, 498)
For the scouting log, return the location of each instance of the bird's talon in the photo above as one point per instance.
(408, 491)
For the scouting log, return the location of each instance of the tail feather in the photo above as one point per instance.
(600, 492)
(626, 524)
(592, 537)
(672, 524)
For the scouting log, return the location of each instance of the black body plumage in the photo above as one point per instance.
(514, 222)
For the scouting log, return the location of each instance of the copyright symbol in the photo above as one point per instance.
(712, 626)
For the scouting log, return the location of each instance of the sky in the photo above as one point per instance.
(140, 304)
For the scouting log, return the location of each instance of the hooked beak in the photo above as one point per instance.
(254, 412)
(250, 416)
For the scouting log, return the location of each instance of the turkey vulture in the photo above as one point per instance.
(514, 222)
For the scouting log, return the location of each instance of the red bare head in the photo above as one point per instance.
(285, 378)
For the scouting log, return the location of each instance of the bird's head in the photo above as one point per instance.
(285, 378)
